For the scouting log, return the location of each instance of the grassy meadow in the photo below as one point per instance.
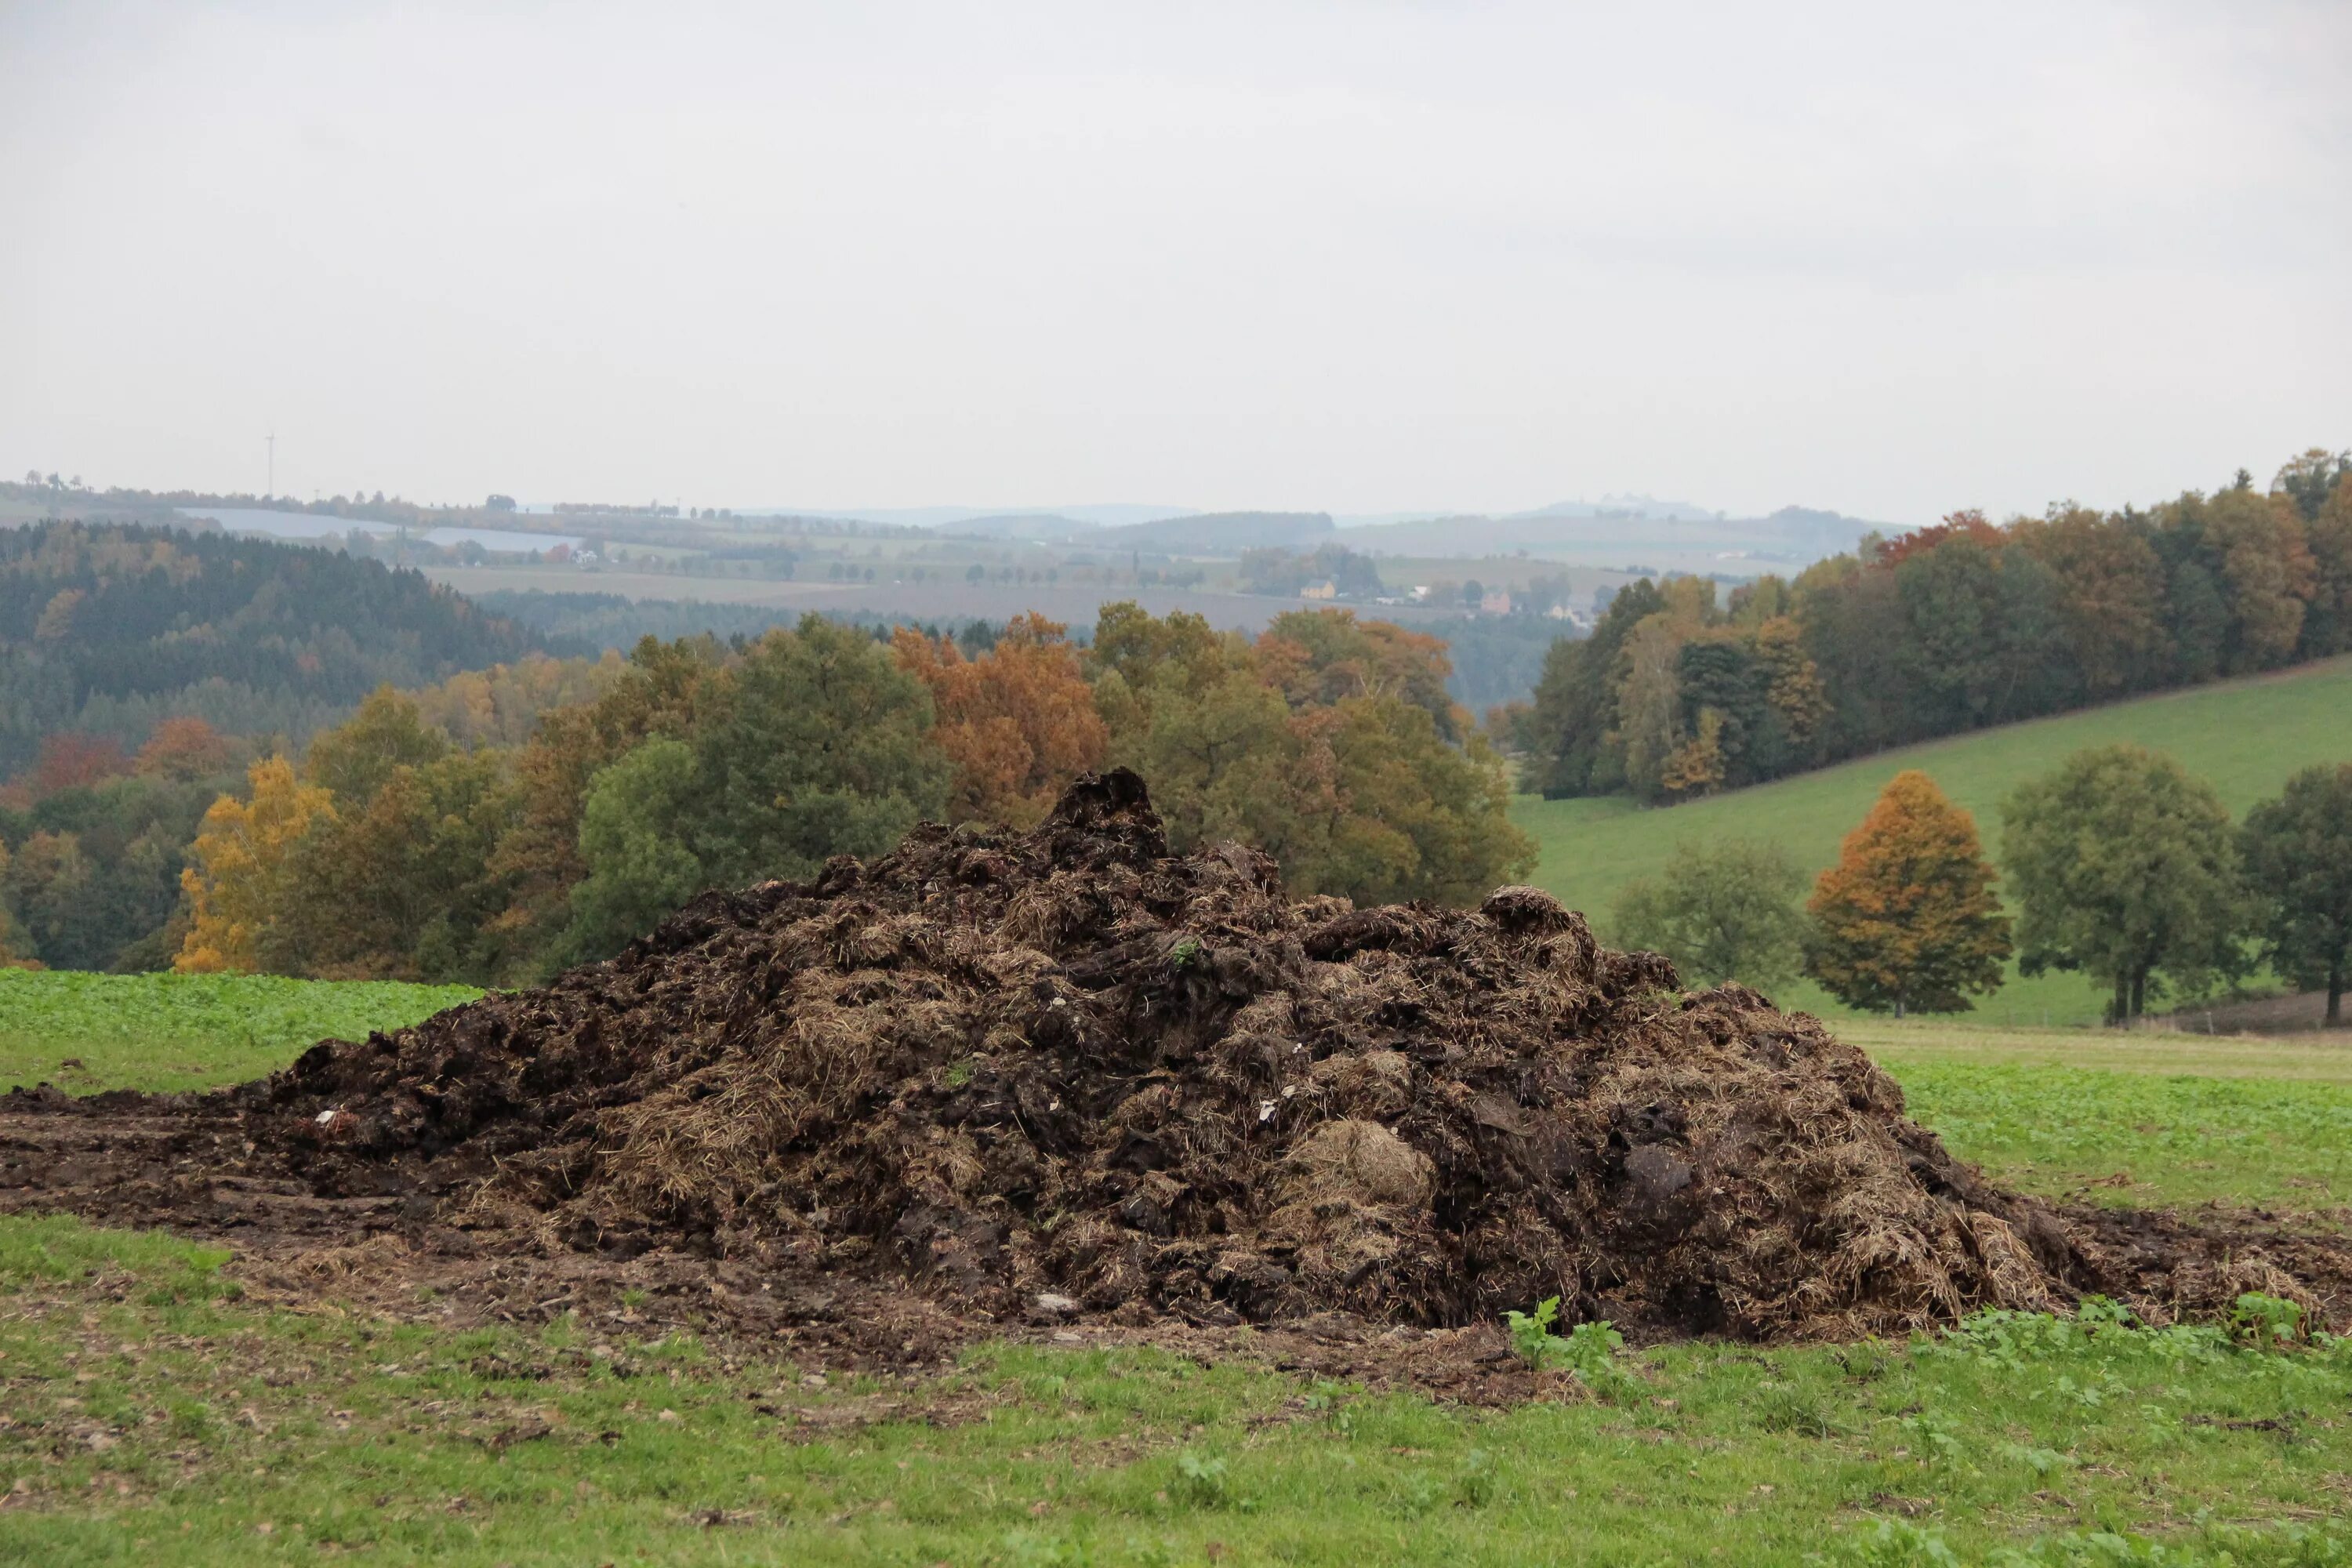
(2245, 736)
(154, 1417)
(150, 1411)
(2143, 1119)
(91, 1032)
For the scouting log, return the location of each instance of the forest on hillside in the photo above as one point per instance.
(107, 630)
(1954, 627)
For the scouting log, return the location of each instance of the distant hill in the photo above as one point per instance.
(1194, 534)
(961, 520)
(2245, 736)
(1600, 534)
(1219, 533)
(592, 622)
(1639, 508)
(105, 628)
(1031, 527)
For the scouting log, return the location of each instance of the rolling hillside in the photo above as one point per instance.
(2246, 736)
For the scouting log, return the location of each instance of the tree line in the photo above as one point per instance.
(439, 833)
(1954, 627)
(1495, 659)
(2120, 864)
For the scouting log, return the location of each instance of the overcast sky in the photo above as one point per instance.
(1364, 257)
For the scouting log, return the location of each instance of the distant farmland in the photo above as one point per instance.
(936, 601)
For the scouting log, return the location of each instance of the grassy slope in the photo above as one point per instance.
(2245, 736)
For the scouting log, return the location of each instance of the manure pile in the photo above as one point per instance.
(1068, 1063)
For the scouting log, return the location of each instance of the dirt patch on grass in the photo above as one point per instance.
(996, 1082)
(2172, 1264)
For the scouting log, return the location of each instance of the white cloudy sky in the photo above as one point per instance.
(1361, 257)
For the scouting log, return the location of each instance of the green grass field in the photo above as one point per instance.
(150, 1412)
(153, 1418)
(2145, 1119)
(89, 1032)
(2246, 737)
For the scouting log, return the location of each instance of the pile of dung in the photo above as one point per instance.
(1068, 1063)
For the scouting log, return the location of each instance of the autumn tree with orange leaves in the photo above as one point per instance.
(1907, 919)
(185, 749)
(1019, 722)
(70, 759)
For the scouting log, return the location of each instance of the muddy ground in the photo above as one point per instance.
(130, 1166)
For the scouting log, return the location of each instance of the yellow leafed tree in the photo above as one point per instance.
(241, 859)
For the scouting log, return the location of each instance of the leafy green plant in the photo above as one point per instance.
(2266, 1322)
(1186, 954)
(2098, 1313)
(2041, 1461)
(1593, 1349)
(2009, 1339)
(1203, 1479)
(1589, 1350)
(2101, 1333)
(1531, 1335)
(1934, 1436)
(2089, 1396)
(1898, 1544)
(1328, 1400)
